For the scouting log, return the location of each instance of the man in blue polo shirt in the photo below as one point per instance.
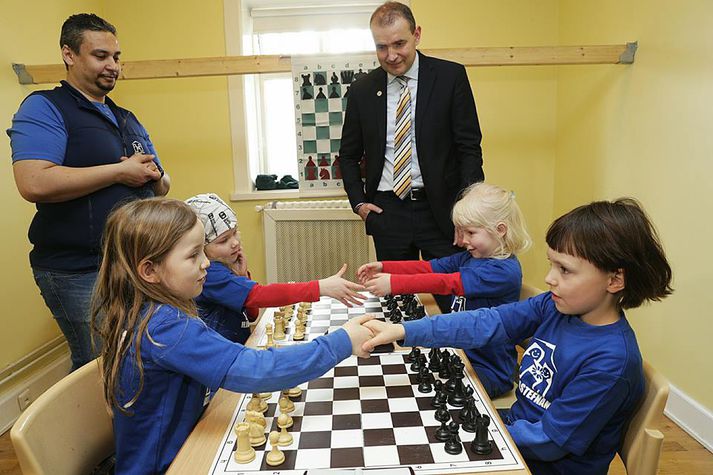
(76, 155)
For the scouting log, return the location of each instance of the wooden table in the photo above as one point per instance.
(199, 450)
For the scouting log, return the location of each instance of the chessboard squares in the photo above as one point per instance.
(309, 133)
(322, 106)
(374, 360)
(372, 392)
(347, 438)
(348, 370)
(310, 146)
(349, 457)
(404, 404)
(307, 107)
(320, 408)
(322, 132)
(494, 455)
(321, 383)
(345, 394)
(410, 436)
(296, 425)
(341, 422)
(414, 454)
(370, 381)
(323, 146)
(406, 419)
(377, 437)
(371, 370)
(394, 358)
(315, 440)
(376, 421)
(312, 458)
(393, 369)
(290, 458)
(318, 395)
(346, 407)
(371, 406)
(316, 423)
(334, 145)
(335, 118)
(381, 455)
(347, 382)
(397, 380)
(335, 104)
(335, 130)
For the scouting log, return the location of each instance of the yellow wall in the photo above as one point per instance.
(28, 34)
(645, 131)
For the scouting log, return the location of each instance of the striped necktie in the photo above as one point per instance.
(402, 142)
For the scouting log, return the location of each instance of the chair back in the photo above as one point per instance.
(67, 430)
(642, 444)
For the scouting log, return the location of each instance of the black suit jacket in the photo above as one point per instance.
(447, 136)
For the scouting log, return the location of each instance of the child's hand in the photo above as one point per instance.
(341, 289)
(359, 334)
(367, 271)
(379, 285)
(240, 267)
(383, 333)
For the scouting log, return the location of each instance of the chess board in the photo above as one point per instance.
(321, 88)
(327, 315)
(367, 413)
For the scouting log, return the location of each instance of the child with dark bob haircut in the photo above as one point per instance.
(581, 377)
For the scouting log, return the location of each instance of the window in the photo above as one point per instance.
(264, 140)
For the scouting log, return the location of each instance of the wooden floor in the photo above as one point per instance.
(681, 455)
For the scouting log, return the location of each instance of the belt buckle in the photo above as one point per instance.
(416, 194)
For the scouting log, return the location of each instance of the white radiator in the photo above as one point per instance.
(306, 240)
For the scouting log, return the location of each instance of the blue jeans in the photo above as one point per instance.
(68, 296)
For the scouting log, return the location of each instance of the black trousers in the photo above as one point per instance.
(405, 231)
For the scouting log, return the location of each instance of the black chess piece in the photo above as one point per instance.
(426, 381)
(438, 400)
(413, 355)
(334, 78)
(320, 94)
(445, 372)
(418, 363)
(434, 363)
(305, 94)
(347, 76)
(442, 415)
(481, 445)
(306, 80)
(334, 94)
(469, 415)
(453, 445)
(320, 79)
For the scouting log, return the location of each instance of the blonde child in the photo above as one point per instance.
(581, 378)
(230, 299)
(158, 357)
(491, 228)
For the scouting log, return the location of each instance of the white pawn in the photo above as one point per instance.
(289, 420)
(294, 392)
(285, 437)
(244, 453)
(289, 406)
(275, 456)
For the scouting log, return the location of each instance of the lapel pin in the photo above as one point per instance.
(378, 93)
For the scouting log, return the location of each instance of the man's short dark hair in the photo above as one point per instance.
(387, 14)
(74, 27)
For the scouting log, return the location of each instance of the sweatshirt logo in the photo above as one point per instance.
(538, 370)
(138, 147)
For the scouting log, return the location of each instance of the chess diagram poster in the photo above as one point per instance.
(321, 88)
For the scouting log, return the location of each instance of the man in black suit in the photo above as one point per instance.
(442, 144)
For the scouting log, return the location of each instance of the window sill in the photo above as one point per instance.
(289, 194)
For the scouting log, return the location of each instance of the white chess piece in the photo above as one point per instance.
(244, 453)
(285, 438)
(275, 456)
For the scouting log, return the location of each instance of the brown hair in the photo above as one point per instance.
(123, 302)
(612, 236)
(387, 14)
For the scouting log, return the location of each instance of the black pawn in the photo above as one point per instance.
(426, 381)
(438, 400)
(481, 445)
(413, 355)
(453, 445)
(442, 415)
(434, 363)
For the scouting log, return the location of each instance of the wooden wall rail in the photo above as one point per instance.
(231, 65)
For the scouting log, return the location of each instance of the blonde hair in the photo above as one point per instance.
(138, 231)
(486, 206)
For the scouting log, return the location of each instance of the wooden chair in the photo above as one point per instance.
(67, 430)
(642, 444)
(508, 399)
